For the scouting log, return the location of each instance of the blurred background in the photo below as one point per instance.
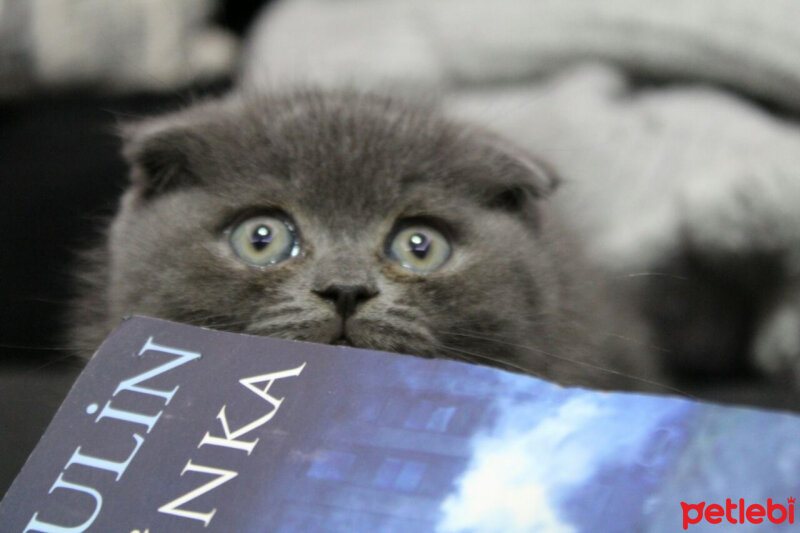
(675, 126)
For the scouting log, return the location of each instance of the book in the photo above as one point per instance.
(178, 428)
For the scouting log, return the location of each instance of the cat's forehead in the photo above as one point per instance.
(354, 152)
(359, 141)
(330, 154)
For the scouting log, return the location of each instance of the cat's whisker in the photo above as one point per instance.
(280, 328)
(586, 364)
(40, 299)
(626, 338)
(639, 342)
(458, 356)
(650, 274)
(226, 325)
(291, 315)
(409, 328)
(216, 321)
(403, 312)
(49, 348)
(71, 356)
(479, 358)
(276, 311)
(600, 281)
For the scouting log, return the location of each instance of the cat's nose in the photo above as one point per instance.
(346, 298)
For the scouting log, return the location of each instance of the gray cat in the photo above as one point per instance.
(341, 218)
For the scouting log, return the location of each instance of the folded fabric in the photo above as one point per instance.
(455, 43)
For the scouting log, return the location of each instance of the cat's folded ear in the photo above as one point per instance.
(518, 178)
(161, 153)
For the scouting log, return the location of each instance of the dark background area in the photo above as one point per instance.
(60, 176)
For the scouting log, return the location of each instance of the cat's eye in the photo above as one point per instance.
(264, 240)
(419, 248)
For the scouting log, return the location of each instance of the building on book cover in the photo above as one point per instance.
(178, 428)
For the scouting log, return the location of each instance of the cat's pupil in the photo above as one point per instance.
(419, 244)
(261, 237)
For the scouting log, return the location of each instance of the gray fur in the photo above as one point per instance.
(345, 167)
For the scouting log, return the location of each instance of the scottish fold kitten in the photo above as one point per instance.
(345, 218)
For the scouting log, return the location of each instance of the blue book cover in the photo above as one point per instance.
(178, 428)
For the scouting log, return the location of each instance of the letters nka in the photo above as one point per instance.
(260, 386)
